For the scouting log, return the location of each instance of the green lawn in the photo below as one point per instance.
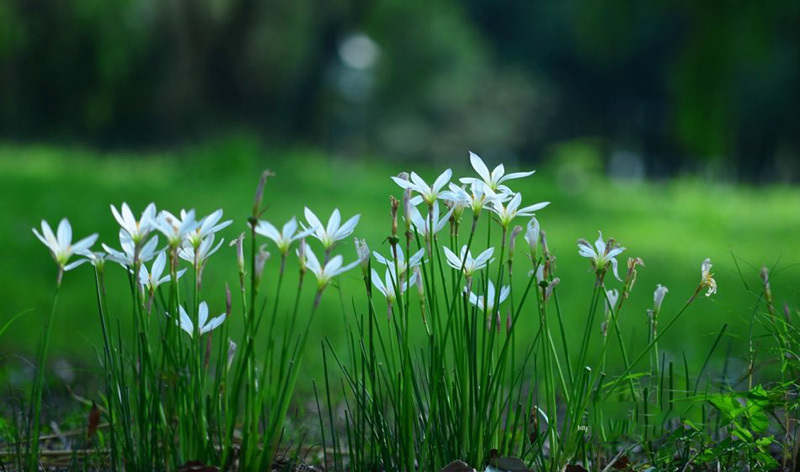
(672, 226)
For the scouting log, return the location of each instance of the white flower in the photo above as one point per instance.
(362, 250)
(174, 228)
(207, 227)
(152, 279)
(138, 230)
(128, 254)
(60, 244)
(708, 277)
(466, 261)
(605, 254)
(478, 197)
(611, 302)
(494, 179)
(332, 233)
(387, 286)
(285, 237)
(658, 297)
(97, 259)
(486, 303)
(532, 235)
(422, 223)
(325, 274)
(201, 253)
(427, 193)
(206, 325)
(507, 213)
(402, 264)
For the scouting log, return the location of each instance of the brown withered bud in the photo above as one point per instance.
(543, 238)
(260, 192)
(395, 206)
(630, 279)
(508, 322)
(512, 241)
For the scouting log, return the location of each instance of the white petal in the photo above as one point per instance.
(479, 166)
(64, 234)
(312, 219)
(442, 180)
(515, 175)
(185, 322)
(347, 228)
(213, 323)
(202, 313)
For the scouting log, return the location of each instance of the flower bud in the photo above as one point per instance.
(532, 236)
(363, 255)
(261, 260)
(228, 301)
(239, 243)
(260, 192)
(301, 256)
(395, 204)
(231, 352)
(658, 297)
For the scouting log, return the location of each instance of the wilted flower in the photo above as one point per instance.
(261, 260)
(152, 279)
(174, 228)
(138, 230)
(512, 241)
(333, 232)
(284, 238)
(326, 273)
(239, 244)
(493, 179)
(205, 325)
(708, 278)
(129, 257)
(507, 213)
(60, 244)
(402, 264)
(658, 297)
(427, 193)
(466, 261)
(486, 303)
(606, 254)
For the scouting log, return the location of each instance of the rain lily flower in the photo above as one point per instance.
(658, 297)
(427, 193)
(421, 223)
(207, 227)
(332, 233)
(486, 303)
(285, 237)
(174, 228)
(205, 325)
(138, 230)
(198, 255)
(129, 257)
(478, 197)
(532, 235)
(60, 244)
(402, 264)
(387, 285)
(606, 254)
(708, 277)
(466, 261)
(326, 273)
(97, 259)
(493, 179)
(507, 213)
(152, 279)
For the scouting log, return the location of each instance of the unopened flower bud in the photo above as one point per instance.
(261, 261)
(228, 301)
(508, 322)
(658, 297)
(231, 352)
(239, 243)
(532, 236)
(363, 255)
(260, 192)
(395, 205)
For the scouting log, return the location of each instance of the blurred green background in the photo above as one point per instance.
(672, 126)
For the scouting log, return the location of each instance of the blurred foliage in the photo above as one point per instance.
(679, 84)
